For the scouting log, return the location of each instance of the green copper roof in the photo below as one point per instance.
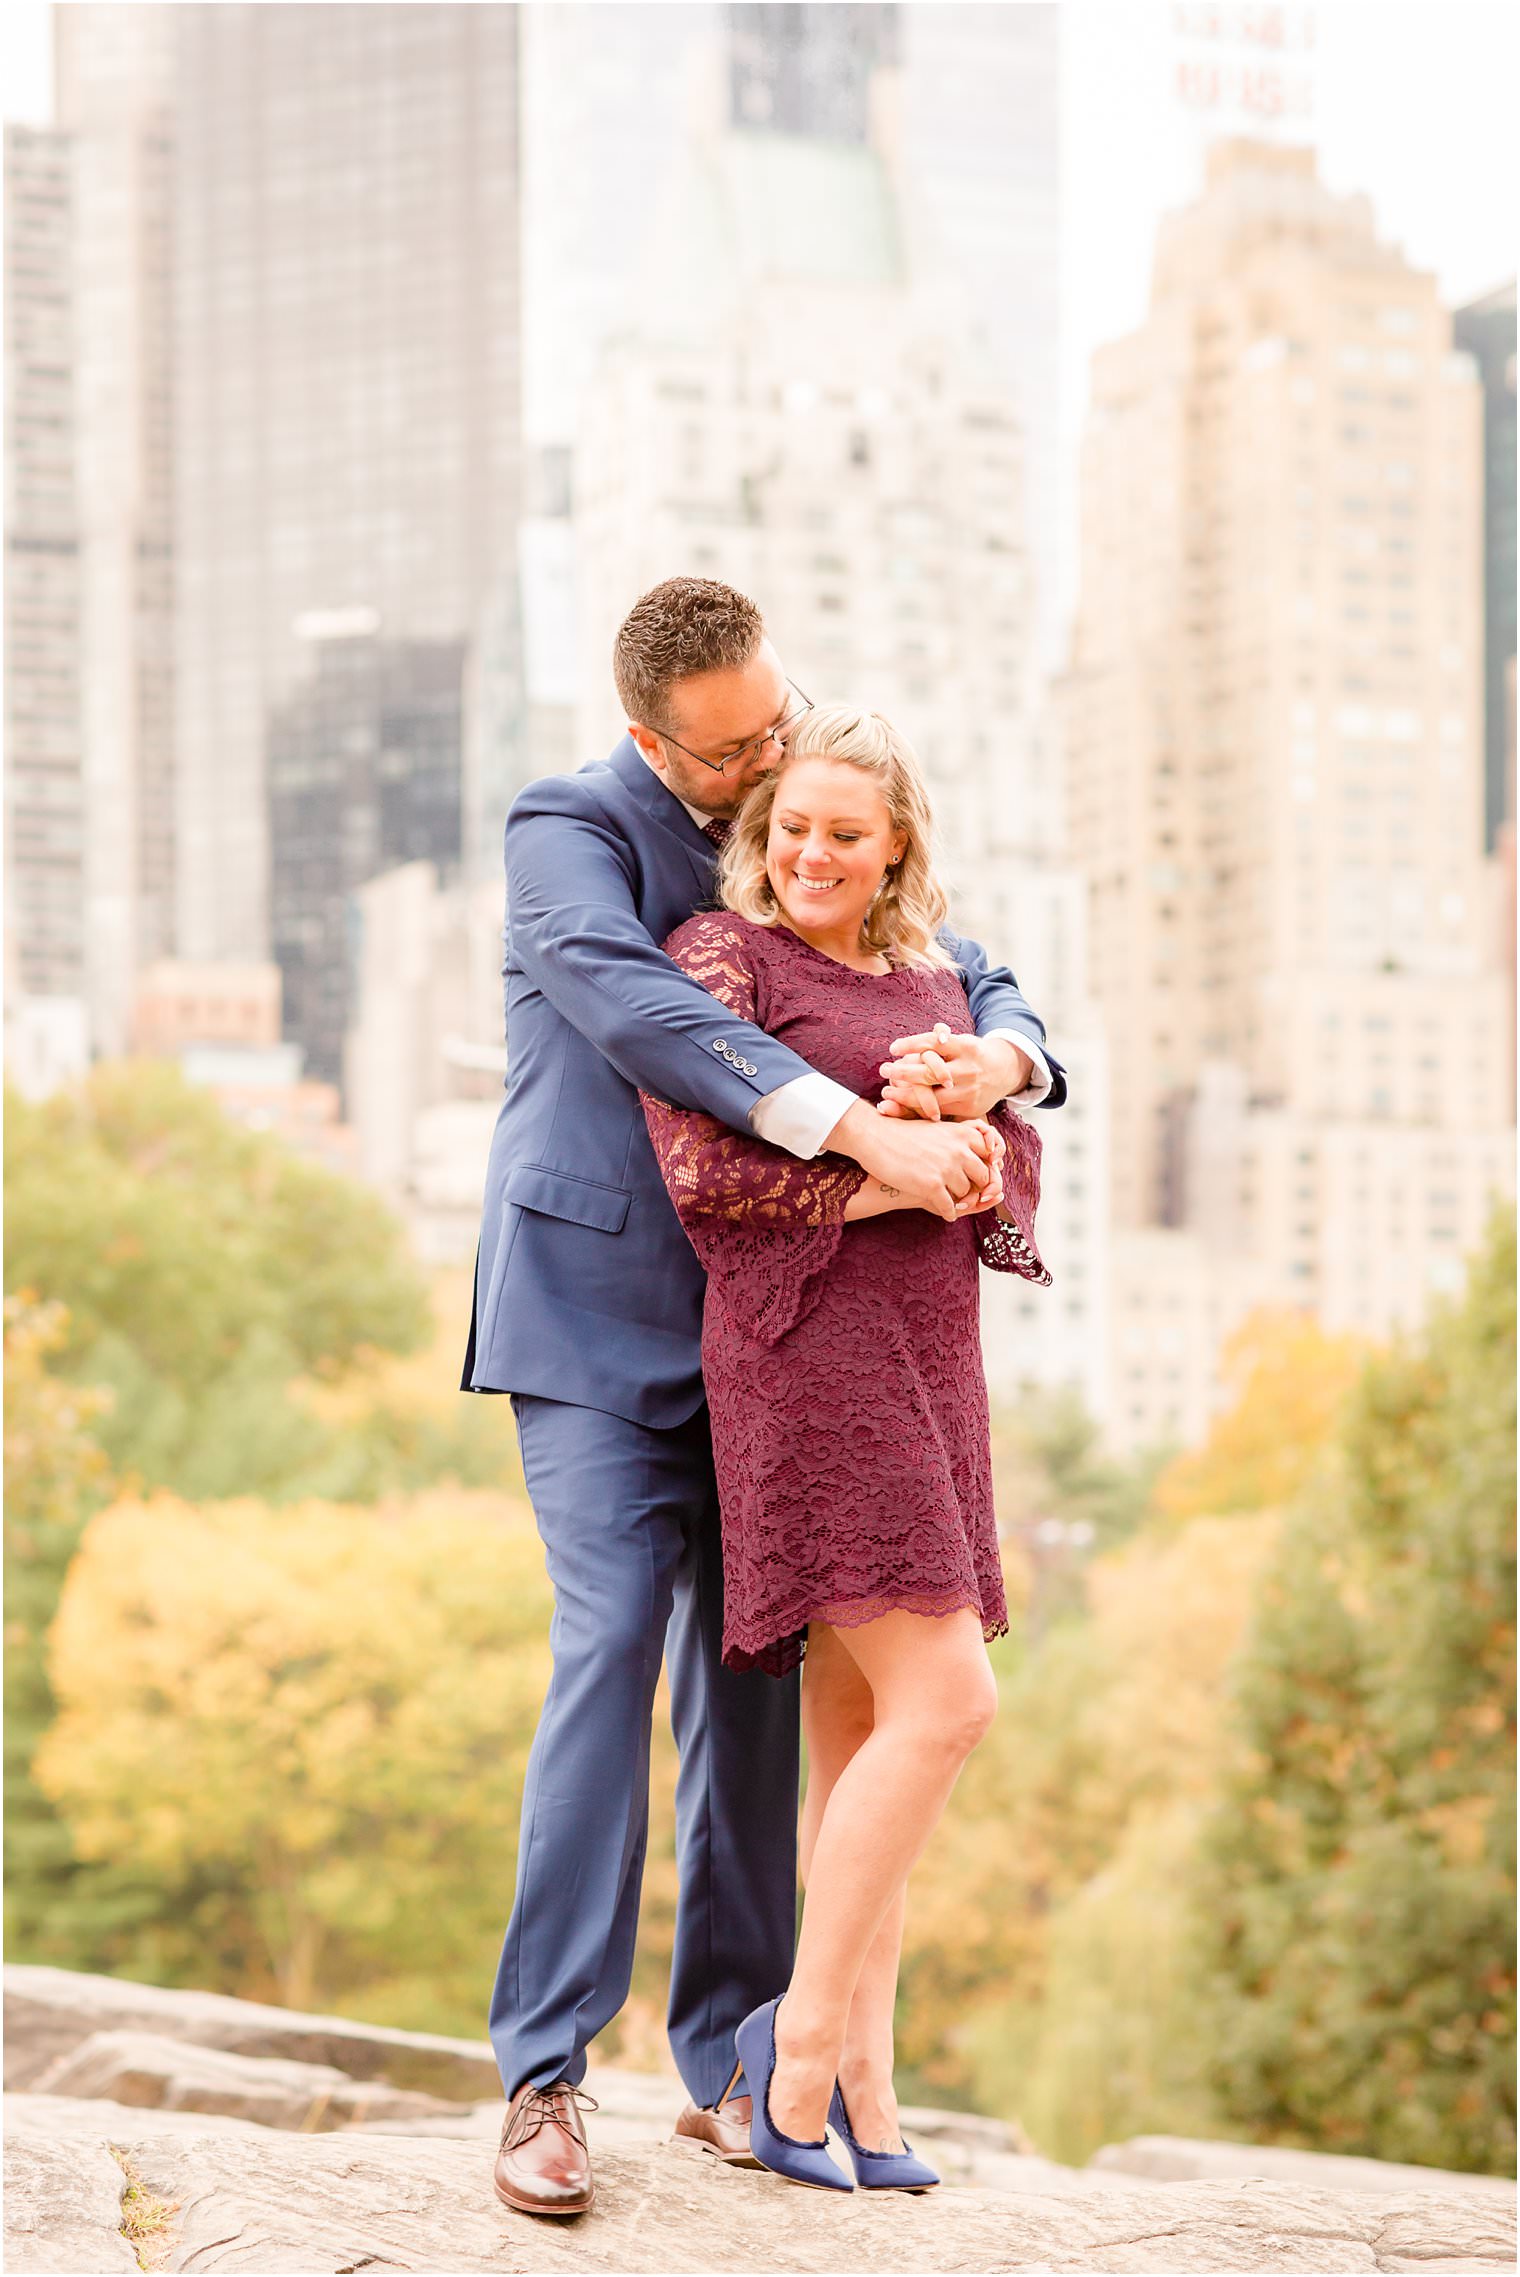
(794, 207)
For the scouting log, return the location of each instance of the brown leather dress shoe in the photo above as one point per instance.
(544, 2164)
(724, 2129)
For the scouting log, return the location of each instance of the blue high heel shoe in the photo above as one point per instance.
(879, 2170)
(755, 2041)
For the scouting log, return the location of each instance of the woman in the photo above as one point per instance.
(842, 1361)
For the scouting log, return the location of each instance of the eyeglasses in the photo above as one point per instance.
(777, 734)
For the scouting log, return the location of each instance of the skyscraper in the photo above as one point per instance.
(959, 100)
(1486, 329)
(1275, 735)
(44, 784)
(347, 296)
(851, 461)
(806, 66)
(364, 772)
(973, 113)
(115, 78)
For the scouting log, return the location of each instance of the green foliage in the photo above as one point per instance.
(1048, 1462)
(309, 1728)
(1363, 1855)
(1236, 1858)
(55, 1476)
(1113, 2037)
(228, 1309)
(202, 1267)
(1052, 1915)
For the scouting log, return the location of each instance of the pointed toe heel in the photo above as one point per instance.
(810, 2163)
(879, 2170)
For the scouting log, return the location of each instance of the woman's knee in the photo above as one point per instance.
(838, 1712)
(980, 1706)
(955, 1713)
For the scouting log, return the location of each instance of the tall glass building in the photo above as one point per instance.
(363, 766)
(346, 282)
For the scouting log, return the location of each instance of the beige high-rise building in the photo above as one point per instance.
(424, 1058)
(1275, 727)
(115, 82)
(44, 792)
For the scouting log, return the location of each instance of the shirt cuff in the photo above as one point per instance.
(800, 1115)
(1041, 1081)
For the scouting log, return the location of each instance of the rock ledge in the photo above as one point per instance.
(310, 2205)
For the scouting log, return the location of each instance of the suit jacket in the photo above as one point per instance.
(586, 1287)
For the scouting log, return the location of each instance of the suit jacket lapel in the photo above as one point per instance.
(662, 807)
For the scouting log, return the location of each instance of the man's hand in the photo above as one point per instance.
(940, 1168)
(944, 1077)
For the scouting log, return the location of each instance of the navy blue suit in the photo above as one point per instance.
(588, 1309)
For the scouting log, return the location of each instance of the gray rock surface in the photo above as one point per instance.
(149, 2071)
(58, 2117)
(308, 2205)
(48, 2011)
(151, 2134)
(1178, 2158)
(63, 2209)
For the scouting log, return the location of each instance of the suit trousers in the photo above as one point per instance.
(629, 1521)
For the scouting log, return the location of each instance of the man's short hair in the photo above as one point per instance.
(676, 630)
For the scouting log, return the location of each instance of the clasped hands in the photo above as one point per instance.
(945, 1077)
(928, 1138)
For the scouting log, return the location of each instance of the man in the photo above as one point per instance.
(588, 1304)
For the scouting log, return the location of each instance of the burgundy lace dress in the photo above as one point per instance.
(843, 1362)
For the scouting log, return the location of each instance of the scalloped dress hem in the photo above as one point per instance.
(778, 1656)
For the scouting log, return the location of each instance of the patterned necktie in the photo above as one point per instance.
(718, 832)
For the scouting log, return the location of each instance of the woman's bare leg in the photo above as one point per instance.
(933, 1696)
(838, 1716)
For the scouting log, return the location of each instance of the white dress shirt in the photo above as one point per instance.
(799, 1115)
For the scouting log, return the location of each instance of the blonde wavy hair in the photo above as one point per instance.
(903, 920)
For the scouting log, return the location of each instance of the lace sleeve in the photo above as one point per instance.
(764, 1223)
(1006, 1243)
(717, 1177)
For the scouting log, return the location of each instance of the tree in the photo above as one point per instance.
(202, 1268)
(307, 1729)
(397, 1423)
(55, 1476)
(1363, 1853)
(237, 1321)
(1069, 1845)
(1290, 1383)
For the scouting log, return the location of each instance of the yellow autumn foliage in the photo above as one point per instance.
(1289, 1382)
(308, 1726)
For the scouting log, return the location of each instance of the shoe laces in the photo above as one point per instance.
(558, 2105)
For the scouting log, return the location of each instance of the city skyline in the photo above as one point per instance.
(1446, 193)
(437, 402)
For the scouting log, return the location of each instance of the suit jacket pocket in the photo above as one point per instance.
(558, 1194)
